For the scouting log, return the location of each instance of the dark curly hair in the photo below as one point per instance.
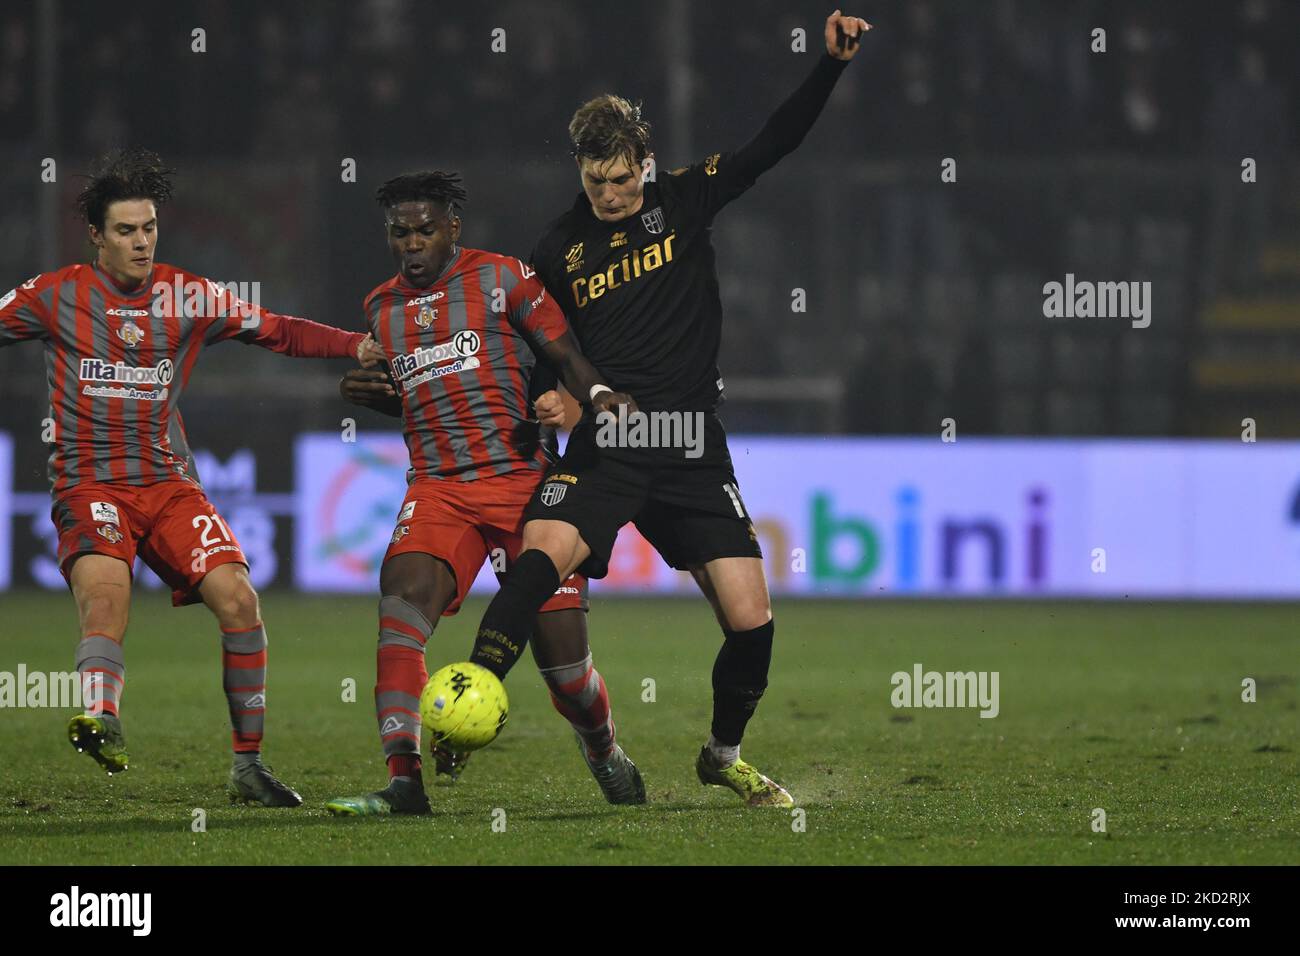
(426, 185)
(129, 173)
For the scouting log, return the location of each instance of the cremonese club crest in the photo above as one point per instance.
(110, 533)
(131, 334)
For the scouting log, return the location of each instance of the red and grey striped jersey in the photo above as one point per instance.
(461, 352)
(117, 362)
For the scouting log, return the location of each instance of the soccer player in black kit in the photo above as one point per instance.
(632, 266)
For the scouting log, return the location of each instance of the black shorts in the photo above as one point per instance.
(688, 508)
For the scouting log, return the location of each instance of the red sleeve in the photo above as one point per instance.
(22, 315)
(248, 322)
(531, 309)
(301, 338)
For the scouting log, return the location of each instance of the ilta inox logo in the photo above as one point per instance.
(1102, 300)
(923, 688)
(61, 689)
(97, 370)
(956, 538)
(651, 430)
(75, 909)
(461, 351)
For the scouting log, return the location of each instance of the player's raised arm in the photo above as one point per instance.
(289, 335)
(580, 377)
(786, 128)
(22, 314)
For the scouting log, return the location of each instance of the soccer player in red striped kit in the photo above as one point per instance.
(121, 337)
(464, 330)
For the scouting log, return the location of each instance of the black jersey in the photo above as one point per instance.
(641, 294)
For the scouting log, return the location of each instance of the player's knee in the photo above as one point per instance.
(103, 610)
(558, 541)
(745, 614)
(237, 605)
(418, 594)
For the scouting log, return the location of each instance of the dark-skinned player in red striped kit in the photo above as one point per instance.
(467, 333)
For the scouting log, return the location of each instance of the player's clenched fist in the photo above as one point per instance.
(369, 354)
(550, 409)
(371, 389)
(843, 35)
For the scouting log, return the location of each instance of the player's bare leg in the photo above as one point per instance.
(415, 589)
(578, 693)
(229, 594)
(737, 590)
(550, 552)
(101, 586)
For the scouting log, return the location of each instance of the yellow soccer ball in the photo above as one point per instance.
(463, 707)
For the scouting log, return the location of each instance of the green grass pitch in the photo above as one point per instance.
(1132, 708)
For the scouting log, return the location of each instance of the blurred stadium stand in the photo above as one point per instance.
(924, 300)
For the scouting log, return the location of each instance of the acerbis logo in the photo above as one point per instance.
(431, 297)
(391, 726)
(97, 370)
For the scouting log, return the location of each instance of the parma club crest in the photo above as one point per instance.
(653, 220)
(553, 493)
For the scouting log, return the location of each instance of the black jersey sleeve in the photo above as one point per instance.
(710, 185)
(541, 262)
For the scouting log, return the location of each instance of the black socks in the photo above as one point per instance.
(739, 679)
(508, 621)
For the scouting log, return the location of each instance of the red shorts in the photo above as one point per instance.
(171, 524)
(467, 522)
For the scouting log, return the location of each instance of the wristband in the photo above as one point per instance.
(597, 389)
